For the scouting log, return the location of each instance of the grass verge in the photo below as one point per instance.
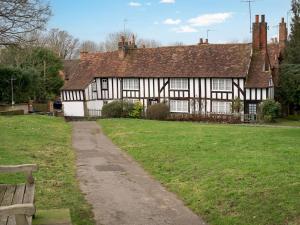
(45, 141)
(228, 174)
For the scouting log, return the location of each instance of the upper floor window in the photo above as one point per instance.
(104, 84)
(222, 85)
(130, 84)
(179, 84)
(94, 86)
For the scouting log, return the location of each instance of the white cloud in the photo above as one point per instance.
(185, 29)
(148, 3)
(167, 1)
(209, 19)
(134, 4)
(170, 21)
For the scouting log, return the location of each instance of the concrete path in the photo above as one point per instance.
(120, 191)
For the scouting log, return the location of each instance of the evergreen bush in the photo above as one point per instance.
(269, 110)
(117, 109)
(158, 111)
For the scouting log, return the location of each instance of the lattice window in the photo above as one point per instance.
(221, 107)
(130, 84)
(252, 108)
(179, 106)
(222, 85)
(179, 84)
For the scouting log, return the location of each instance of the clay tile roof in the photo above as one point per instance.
(274, 54)
(212, 60)
(70, 68)
(258, 77)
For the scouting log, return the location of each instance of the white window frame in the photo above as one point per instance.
(131, 84)
(179, 84)
(104, 81)
(221, 107)
(94, 86)
(179, 106)
(224, 85)
(252, 106)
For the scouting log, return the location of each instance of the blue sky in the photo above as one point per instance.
(167, 21)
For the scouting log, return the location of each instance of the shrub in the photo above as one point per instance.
(269, 110)
(158, 111)
(127, 109)
(136, 111)
(237, 105)
(117, 109)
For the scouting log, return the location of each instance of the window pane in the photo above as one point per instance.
(131, 84)
(179, 106)
(179, 83)
(215, 84)
(228, 85)
(104, 83)
(221, 107)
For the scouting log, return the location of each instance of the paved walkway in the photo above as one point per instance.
(120, 191)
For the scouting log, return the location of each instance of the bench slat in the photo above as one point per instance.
(29, 197)
(7, 200)
(2, 192)
(18, 199)
(29, 193)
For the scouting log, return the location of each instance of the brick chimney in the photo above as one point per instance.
(260, 34)
(203, 42)
(122, 47)
(263, 33)
(283, 34)
(133, 45)
(83, 55)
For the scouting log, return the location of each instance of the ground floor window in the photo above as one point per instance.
(252, 108)
(152, 101)
(179, 106)
(221, 107)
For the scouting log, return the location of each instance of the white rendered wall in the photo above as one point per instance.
(73, 109)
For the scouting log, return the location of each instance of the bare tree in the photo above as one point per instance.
(148, 43)
(88, 46)
(111, 42)
(112, 39)
(20, 17)
(61, 42)
(177, 44)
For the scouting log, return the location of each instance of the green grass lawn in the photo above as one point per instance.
(228, 174)
(285, 122)
(45, 141)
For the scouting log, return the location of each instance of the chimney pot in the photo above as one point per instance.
(257, 19)
(282, 20)
(206, 41)
(201, 40)
(83, 54)
(263, 18)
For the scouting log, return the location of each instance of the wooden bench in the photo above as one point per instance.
(17, 201)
